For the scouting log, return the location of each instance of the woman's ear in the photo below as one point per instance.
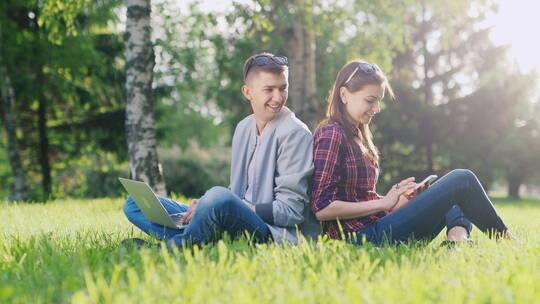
(343, 95)
(246, 92)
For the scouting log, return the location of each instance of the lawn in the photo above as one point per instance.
(68, 251)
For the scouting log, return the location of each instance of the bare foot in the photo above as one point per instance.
(457, 234)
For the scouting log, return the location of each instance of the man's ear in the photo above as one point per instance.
(246, 92)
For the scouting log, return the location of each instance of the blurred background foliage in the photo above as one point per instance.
(461, 102)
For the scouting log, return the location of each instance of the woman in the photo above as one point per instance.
(346, 171)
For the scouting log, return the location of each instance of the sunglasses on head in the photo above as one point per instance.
(262, 60)
(366, 68)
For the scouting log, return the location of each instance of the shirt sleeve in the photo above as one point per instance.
(326, 176)
(294, 167)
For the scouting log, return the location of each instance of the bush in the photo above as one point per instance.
(189, 173)
(192, 176)
(105, 183)
(91, 177)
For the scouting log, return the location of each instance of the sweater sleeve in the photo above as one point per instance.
(293, 172)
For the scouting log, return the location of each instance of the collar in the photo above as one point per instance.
(351, 128)
(272, 124)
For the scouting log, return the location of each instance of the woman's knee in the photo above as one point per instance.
(463, 174)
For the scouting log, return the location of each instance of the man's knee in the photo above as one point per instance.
(130, 207)
(216, 198)
(218, 194)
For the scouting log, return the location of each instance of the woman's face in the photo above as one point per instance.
(361, 106)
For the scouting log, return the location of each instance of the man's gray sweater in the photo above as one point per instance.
(283, 164)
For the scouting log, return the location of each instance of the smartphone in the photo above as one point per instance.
(427, 181)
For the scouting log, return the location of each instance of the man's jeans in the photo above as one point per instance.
(217, 212)
(453, 200)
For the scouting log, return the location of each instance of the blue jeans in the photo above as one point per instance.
(453, 200)
(218, 211)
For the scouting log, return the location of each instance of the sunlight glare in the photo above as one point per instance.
(517, 23)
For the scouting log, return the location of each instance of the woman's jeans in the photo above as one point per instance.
(219, 211)
(453, 200)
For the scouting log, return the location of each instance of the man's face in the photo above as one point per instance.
(267, 93)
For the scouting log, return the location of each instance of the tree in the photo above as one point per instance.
(447, 47)
(187, 82)
(61, 76)
(299, 34)
(317, 36)
(520, 151)
(140, 124)
(7, 108)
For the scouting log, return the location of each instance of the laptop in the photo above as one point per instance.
(150, 205)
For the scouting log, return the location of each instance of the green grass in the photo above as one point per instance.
(68, 251)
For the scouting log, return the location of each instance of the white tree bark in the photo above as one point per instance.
(140, 125)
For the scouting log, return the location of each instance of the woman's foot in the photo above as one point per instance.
(457, 234)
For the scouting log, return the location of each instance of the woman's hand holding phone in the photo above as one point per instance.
(408, 189)
(392, 198)
(423, 185)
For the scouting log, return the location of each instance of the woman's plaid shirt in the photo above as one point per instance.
(341, 173)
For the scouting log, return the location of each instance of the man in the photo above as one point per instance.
(271, 166)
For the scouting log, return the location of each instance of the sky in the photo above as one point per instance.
(518, 23)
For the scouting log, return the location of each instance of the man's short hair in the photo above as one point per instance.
(271, 67)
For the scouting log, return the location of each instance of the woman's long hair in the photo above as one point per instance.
(336, 109)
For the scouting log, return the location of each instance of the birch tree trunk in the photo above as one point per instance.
(20, 191)
(140, 126)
